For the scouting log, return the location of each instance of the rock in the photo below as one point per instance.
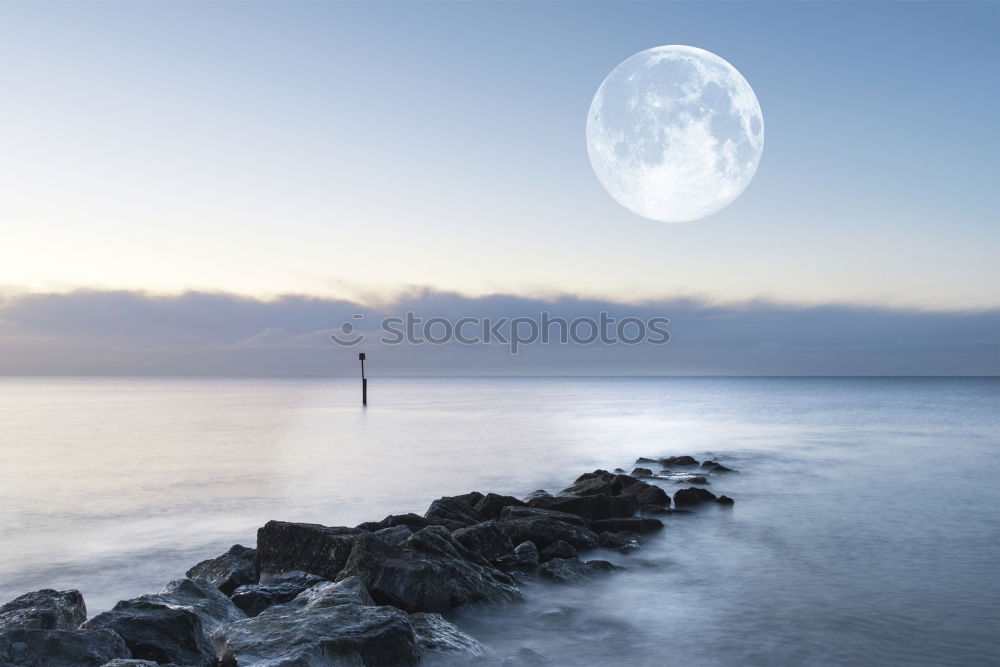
(428, 573)
(306, 547)
(647, 494)
(610, 540)
(716, 467)
(566, 570)
(544, 530)
(693, 479)
(558, 549)
(524, 559)
(619, 471)
(590, 507)
(526, 657)
(255, 598)
(44, 610)
(453, 513)
(643, 459)
(654, 509)
(492, 504)
(539, 493)
(329, 624)
(600, 482)
(173, 625)
(395, 534)
(538, 512)
(633, 524)
(485, 539)
(436, 635)
(725, 500)
(412, 520)
(693, 496)
(232, 569)
(679, 461)
(33, 647)
(132, 662)
(642, 472)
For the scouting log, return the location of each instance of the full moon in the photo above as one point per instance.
(675, 133)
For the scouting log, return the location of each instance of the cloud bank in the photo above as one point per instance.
(93, 332)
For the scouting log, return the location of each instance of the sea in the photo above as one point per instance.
(866, 528)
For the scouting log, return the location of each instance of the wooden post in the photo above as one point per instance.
(364, 380)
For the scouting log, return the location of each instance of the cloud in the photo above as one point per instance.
(94, 332)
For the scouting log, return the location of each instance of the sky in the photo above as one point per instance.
(356, 151)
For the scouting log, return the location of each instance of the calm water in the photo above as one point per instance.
(866, 529)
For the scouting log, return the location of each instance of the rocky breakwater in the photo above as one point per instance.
(373, 594)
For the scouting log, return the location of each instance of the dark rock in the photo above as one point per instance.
(412, 520)
(725, 500)
(694, 479)
(485, 539)
(558, 549)
(307, 547)
(394, 534)
(255, 598)
(600, 482)
(621, 541)
(633, 524)
(590, 507)
(539, 493)
(643, 459)
(25, 647)
(566, 570)
(472, 497)
(492, 504)
(132, 662)
(329, 624)
(526, 657)
(693, 496)
(44, 610)
(619, 471)
(679, 461)
(453, 512)
(173, 625)
(538, 512)
(654, 509)
(642, 472)
(232, 569)
(544, 530)
(429, 572)
(524, 559)
(647, 494)
(716, 467)
(436, 635)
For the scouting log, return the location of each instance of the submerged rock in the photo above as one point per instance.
(227, 572)
(428, 573)
(173, 625)
(716, 467)
(436, 635)
(566, 570)
(693, 496)
(44, 610)
(24, 647)
(725, 500)
(255, 598)
(306, 547)
(526, 657)
(329, 624)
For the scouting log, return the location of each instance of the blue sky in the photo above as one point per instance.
(354, 150)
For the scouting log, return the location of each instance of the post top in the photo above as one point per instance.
(361, 356)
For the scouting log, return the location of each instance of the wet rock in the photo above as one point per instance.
(436, 635)
(544, 530)
(693, 479)
(307, 547)
(132, 662)
(538, 512)
(643, 459)
(232, 569)
(633, 524)
(428, 573)
(716, 467)
(173, 625)
(485, 539)
(693, 496)
(453, 512)
(619, 471)
(558, 549)
(538, 493)
(600, 482)
(590, 507)
(412, 520)
(679, 461)
(395, 534)
(26, 647)
(725, 500)
(524, 559)
(642, 472)
(44, 610)
(329, 624)
(255, 598)
(647, 494)
(624, 542)
(654, 510)
(492, 504)
(566, 570)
